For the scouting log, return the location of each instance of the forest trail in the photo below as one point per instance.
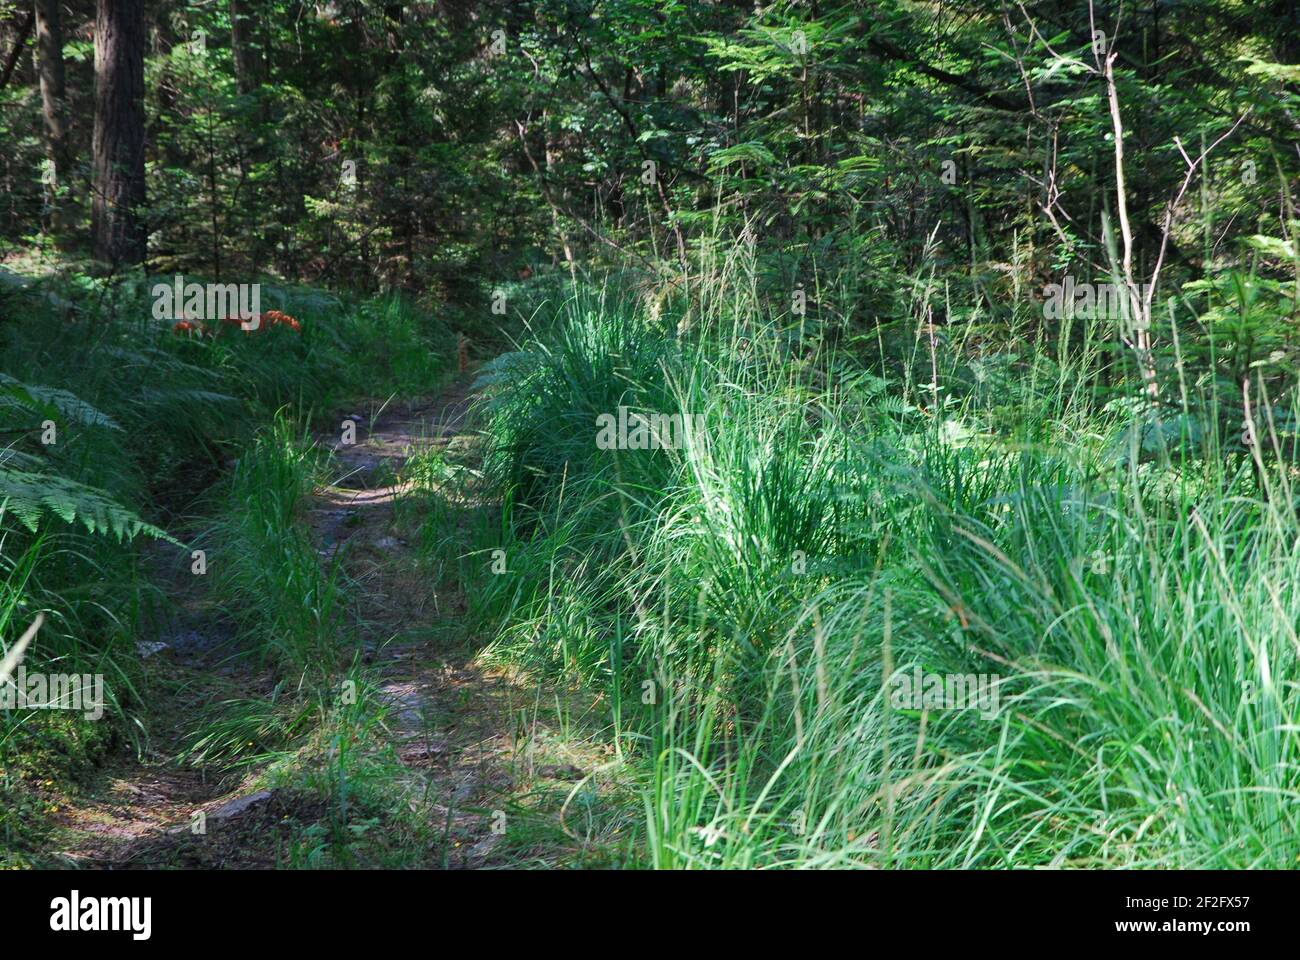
(446, 719)
(488, 754)
(478, 748)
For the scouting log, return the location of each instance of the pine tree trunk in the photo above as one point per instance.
(117, 211)
(49, 59)
(247, 59)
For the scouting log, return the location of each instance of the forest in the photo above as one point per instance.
(649, 434)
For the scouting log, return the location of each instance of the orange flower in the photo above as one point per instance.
(277, 317)
(185, 326)
(263, 321)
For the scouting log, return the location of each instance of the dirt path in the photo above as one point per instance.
(489, 761)
(141, 808)
(480, 744)
(444, 715)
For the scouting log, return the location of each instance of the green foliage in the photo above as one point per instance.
(29, 496)
(284, 602)
(828, 230)
(144, 420)
(773, 579)
(49, 402)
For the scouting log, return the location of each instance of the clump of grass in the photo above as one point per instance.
(286, 604)
(375, 814)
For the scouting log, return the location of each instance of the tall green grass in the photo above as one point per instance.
(283, 598)
(747, 602)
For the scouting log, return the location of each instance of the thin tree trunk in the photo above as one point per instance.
(49, 57)
(1139, 311)
(117, 210)
(556, 223)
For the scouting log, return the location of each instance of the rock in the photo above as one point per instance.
(422, 751)
(233, 808)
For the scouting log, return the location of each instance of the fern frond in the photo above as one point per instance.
(18, 460)
(33, 496)
(52, 402)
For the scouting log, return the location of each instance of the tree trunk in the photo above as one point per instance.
(49, 57)
(117, 211)
(248, 61)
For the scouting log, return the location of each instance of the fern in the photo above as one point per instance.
(9, 457)
(507, 369)
(51, 402)
(33, 496)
